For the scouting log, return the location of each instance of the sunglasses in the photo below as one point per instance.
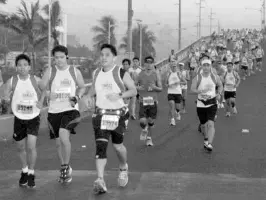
(149, 61)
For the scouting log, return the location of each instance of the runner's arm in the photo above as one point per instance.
(130, 85)
(238, 80)
(7, 89)
(219, 84)
(158, 87)
(81, 85)
(193, 88)
(43, 92)
(43, 84)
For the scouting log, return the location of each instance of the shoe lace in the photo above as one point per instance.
(123, 174)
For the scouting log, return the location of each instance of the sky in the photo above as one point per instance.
(83, 14)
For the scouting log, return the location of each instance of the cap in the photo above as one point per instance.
(207, 61)
(182, 64)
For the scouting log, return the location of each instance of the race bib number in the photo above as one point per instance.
(62, 94)
(148, 101)
(25, 107)
(109, 122)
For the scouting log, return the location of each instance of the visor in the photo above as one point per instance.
(206, 62)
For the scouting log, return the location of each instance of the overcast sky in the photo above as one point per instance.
(82, 14)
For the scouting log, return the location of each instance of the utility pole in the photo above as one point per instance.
(129, 26)
(200, 7)
(263, 15)
(180, 31)
(140, 40)
(219, 28)
(211, 21)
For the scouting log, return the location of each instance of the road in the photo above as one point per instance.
(177, 167)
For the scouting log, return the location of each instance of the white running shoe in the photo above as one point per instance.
(99, 186)
(143, 134)
(178, 117)
(172, 123)
(123, 177)
(149, 142)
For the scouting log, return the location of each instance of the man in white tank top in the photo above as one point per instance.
(204, 85)
(111, 86)
(231, 81)
(26, 102)
(174, 93)
(66, 87)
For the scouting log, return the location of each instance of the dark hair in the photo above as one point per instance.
(22, 57)
(203, 55)
(60, 48)
(149, 58)
(126, 60)
(136, 58)
(111, 47)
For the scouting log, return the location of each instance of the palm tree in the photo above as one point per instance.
(56, 12)
(102, 32)
(30, 24)
(148, 40)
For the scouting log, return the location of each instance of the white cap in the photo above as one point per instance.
(182, 64)
(206, 61)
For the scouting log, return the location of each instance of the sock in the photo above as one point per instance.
(31, 171)
(25, 170)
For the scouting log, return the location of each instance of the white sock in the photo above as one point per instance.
(25, 170)
(31, 171)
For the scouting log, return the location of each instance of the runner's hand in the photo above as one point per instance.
(39, 104)
(113, 97)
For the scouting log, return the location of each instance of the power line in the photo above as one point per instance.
(200, 7)
(211, 18)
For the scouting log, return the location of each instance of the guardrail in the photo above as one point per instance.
(180, 55)
(6, 121)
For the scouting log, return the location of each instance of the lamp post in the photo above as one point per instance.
(49, 32)
(109, 31)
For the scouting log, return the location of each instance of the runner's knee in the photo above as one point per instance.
(143, 122)
(101, 149)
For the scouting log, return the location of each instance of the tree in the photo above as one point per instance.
(148, 40)
(56, 12)
(102, 32)
(3, 1)
(30, 24)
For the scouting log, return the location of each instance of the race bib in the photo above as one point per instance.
(25, 107)
(109, 122)
(148, 101)
(62, 94)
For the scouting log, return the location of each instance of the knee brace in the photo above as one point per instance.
(142, 125)
(101, 149)
(151, 124)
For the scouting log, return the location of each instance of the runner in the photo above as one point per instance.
(173, 83)
(26, 102)
(111, 85)
(66, 86)
(148, 84)
(204, 85)
(134, 70)
(231, 82)
(186, 76)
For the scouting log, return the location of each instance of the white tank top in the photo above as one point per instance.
(229, 82)
(64, 87)
(24, 100)
(173, 78)
(184, 75)
(206, 82)
(104, 85)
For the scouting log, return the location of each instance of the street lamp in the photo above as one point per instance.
(109, 31)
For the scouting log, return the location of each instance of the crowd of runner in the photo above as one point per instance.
(213, 73)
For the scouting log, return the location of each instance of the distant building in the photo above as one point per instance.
(72, 40)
